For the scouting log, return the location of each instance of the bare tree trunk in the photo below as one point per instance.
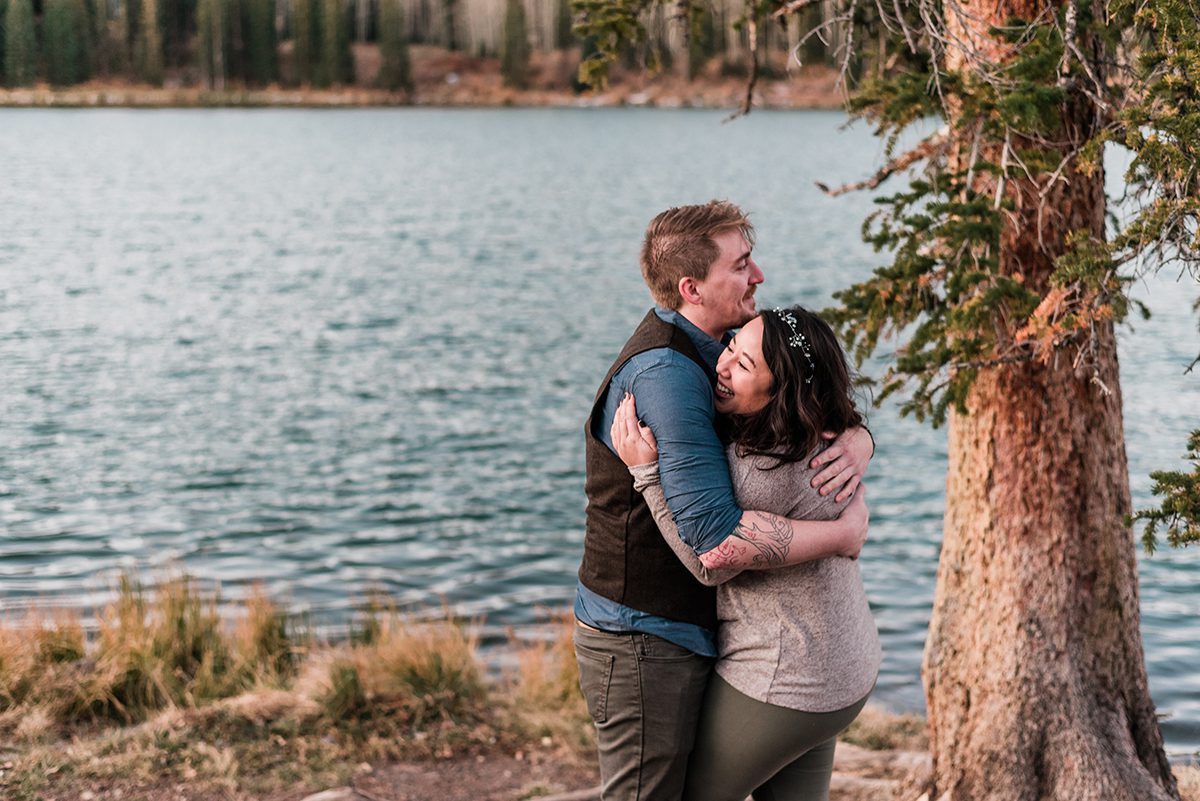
(1035, 679)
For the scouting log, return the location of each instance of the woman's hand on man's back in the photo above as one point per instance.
(632, 439)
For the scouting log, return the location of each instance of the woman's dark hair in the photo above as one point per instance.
(789, 427)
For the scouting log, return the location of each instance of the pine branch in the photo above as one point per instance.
(924, 150)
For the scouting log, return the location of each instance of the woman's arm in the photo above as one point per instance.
(645, 481)
(760, 539)
(637, 447)
(764, 540)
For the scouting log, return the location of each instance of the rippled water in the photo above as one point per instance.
(332, 350)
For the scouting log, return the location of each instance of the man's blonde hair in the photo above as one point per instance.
(679, 244)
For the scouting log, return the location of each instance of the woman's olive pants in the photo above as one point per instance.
(746, 747)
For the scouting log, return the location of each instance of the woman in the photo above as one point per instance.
(798, 652)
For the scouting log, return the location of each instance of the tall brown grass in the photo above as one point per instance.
(279, 707)
(169, 648)
(152, 650)
(396, 666)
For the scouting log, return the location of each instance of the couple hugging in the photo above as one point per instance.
(706, 468)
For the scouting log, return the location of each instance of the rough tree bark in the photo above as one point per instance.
(1034, 674)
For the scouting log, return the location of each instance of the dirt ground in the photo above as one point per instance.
(860, 775)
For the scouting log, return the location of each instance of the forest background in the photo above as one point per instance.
(384, 45)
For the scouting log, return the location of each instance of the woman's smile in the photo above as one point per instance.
(744, 381)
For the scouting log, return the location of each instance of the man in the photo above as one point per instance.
(645, 633)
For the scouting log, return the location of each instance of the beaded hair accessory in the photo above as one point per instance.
(798, 340)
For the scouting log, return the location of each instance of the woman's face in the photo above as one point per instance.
(743, 380)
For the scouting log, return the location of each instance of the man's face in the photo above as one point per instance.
(728, 291)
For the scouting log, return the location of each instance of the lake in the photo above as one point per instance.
(327, 351)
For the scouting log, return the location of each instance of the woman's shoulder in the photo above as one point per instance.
(763, 484)
(798, 470)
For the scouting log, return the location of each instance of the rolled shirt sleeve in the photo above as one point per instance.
(674, 398)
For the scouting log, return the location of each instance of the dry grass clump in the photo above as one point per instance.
(416, 673)
(41, 676)
(547, 676)
(267, 644)
(545, 701)
(151, 652)
(158, 652)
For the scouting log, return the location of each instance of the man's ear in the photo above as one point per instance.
(689, 290)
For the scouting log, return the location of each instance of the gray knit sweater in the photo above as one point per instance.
(800, 637)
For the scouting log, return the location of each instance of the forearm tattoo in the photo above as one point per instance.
(768, 537)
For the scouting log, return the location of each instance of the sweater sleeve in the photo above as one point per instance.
(646, 481)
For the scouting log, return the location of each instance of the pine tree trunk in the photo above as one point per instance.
(1035, 679)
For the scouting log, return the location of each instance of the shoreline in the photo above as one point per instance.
(272, 97)
(449, 79)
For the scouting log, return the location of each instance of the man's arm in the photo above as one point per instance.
(645, 481)
(673, 398)
(846, 461)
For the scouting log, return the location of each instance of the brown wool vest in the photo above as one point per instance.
(625, 558)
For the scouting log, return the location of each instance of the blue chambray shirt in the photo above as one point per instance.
(675, 399)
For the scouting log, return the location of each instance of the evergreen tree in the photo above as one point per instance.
(336, 64)
(101, 38)
(177, 22)
(395, 73)
(304, 38)
(362, 20)
(66, 41)
(563, 37)
(812, 48)
(81, 14)
(258, 38)
(514, 52)
(210, 42)
(20, 44)
(702, 38)
(121, 57)
(149, 48)
(450, 23)
(3, 14)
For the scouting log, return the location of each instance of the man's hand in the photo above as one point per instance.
(845, 462)
(855, 517)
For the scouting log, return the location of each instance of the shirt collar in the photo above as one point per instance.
(709, 348)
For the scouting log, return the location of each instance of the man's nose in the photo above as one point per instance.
(756, 274)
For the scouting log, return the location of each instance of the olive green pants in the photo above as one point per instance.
(746, 747)
(644, 694)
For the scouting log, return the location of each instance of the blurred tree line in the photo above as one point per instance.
(210, 42)
(223, 43)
